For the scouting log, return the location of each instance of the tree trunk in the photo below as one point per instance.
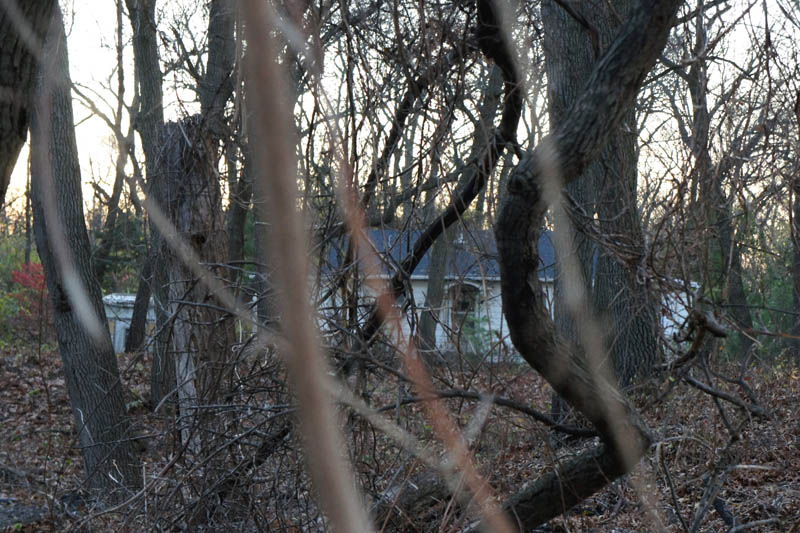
(434, 295)
(217, 85)
(201, 333)
(241, 192)
(135, 337)
(149, 119)
(267, 302)
(579, 138)
(608, 190)
(737, 298)
(18, 68)
(28, 229)
(90, 365)
(631, 311)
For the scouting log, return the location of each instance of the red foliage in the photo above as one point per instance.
(32, 299)
(30, 276)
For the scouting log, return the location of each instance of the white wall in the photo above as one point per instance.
(491, 309)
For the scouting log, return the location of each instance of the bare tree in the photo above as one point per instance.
(609, 94)
(90, 365)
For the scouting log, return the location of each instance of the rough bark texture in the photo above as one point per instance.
(150, 115)
(266, 290)
(90, 365)
(619, 292)
(217, 85)
(241, 193)
(201, 333)
(607, 189)
(23, 26)
(569, 59)
(149, 121)
(214, 91)
(582, 135)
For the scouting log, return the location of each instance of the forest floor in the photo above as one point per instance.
(40, 465)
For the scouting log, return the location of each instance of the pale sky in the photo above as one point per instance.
(91, 38)
(91, 27)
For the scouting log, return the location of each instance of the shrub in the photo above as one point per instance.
(26, 306)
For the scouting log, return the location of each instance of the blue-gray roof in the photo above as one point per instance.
(473, 254)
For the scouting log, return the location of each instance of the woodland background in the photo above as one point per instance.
(254, 143)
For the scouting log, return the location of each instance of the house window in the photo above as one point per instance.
(464, 305)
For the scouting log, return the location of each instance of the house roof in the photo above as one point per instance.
(473, 254)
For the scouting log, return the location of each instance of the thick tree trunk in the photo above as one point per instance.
(737, 298)
(569, 60)
(201, 333)
(135, 337)
(267, 297)
(608, 190)
(563, 156)
(796, 264)
(150, 115)
(90, 365)
(162, 371)
(631, 311)
(241, 192)
(18, 68)
(216, 86)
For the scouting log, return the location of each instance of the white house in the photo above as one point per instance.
(470, 315)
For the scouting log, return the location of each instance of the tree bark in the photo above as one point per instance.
(150, 115)
(631, 311)
(434, 294)
(23, 26)
(241, 193)
(564, 155)
(200, 331)
(90, 365)
(149, 121)
(568, 62)
(608, 190)
(216, 86)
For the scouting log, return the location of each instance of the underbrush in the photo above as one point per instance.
(252, 476)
